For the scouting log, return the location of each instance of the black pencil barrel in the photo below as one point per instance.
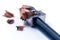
(47, 30)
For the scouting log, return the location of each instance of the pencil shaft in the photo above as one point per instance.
(46, 29)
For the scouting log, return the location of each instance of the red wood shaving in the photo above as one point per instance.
(10, 21)
(20, 28)
(8, 14)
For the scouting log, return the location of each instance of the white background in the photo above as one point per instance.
(9, 32)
